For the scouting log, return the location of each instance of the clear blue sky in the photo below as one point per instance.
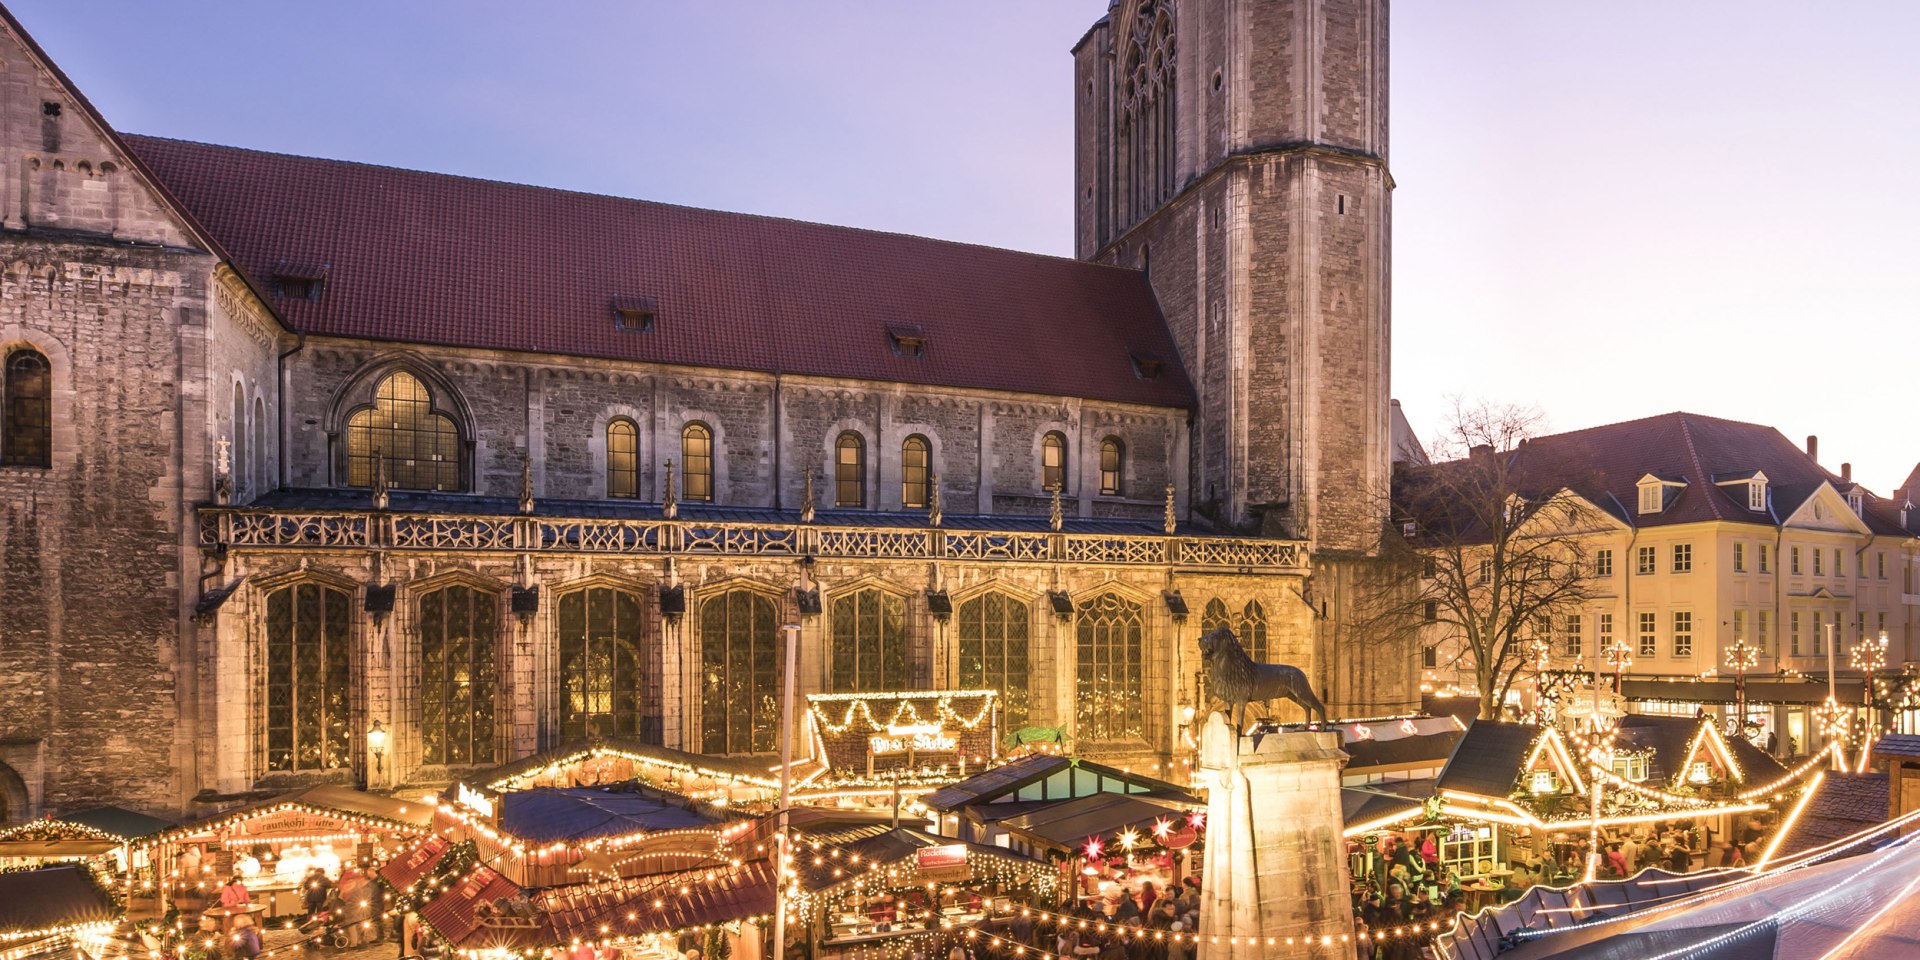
(1607, 209)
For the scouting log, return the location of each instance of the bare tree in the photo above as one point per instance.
(1489, 558)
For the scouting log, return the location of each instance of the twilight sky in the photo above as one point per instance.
(1607, 209)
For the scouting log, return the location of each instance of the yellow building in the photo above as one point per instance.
(1710, 532)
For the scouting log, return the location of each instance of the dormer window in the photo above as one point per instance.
(1652, 496)
(1147, 367)
(1855, 502)
(1757, 495)
(296, 281)
(907, 341)
(635, 314)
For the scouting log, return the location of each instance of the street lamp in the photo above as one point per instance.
(1869, 656)
(1540, 657)
(377, 746)
(1742, 656)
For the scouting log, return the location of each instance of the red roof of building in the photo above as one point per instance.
(435, 259)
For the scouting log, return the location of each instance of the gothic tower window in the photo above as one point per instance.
(602, 669)
(1053, 461)
(308, 678)
(1111, 656)
(915, 459)
(849, 471)
(869, 643)
(1253, 631)
(1113, 458)
(26, 418)
(1214, 617)
(1147, 109)
(696, 462)
(741, 673)
(420, 448)
(623, 458)
(995, 630)
(457, 674)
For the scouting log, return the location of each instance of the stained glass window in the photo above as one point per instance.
(421, 448)
(696, 462)
(995, 630)
(849, 471)
(623, 458)
(457, 631)
(26, 436)
(741, 673)
(914, 461)
(1111, 651)
(869, 643)
(308, 678)
(1053, 461)
(602, 670)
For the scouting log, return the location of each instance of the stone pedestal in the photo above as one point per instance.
(1275, 866)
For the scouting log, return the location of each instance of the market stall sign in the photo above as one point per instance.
(292, 821)
(913, 738)
(1181, 839)
(940, 864)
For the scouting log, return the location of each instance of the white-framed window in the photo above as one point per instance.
(1839, 563)
(1739, 625)
(1464, 847)
(1880, 564)
(1571, 638)
(1763, 630)
(1683, 558)
(1631, 767)
(1486, 571)
(1651, 497)
(1819, 567)
(1793, 633)
(1646, 561)
(1682, 633)
(1739, 557)
(1859, 627)
(1603, 632)
(1819, 633)
(1793, 560)
(1757, 495)
(1766, 558)
(1603, 562)
(1649, 633)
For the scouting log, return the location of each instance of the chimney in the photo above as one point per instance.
(1480, 452)
(1813, 448)
(1846, 473)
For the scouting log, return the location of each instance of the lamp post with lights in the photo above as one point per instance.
(1742, 656)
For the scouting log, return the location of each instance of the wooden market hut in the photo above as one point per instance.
(43, 911)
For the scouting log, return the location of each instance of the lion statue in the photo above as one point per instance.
(1237, 680)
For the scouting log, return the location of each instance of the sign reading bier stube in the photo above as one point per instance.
(913, 738)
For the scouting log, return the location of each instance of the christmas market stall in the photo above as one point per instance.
(888, 749)
(752, 785)
(271, 844)
(100, 835)
(57, 912)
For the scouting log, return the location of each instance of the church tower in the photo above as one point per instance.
(1237, 151)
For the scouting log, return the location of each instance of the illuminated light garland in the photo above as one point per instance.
(66, 830)
(375, 823)
(905, 712)
(89, 928)
(1810, 763)
(520, 781)
(1793, 816)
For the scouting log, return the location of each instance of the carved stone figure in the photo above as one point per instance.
(1237, 680)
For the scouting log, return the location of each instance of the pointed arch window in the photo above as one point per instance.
(741, 673)
(996, 631)
(1113, 461)
(242, 468)
(1110, 687)
(849, 471)
(623, 458)
(602, 666)
(420, 448)
(308, 678)
(1147, 127)
(915, 468)
(458, 626)
(696, 462)
(869, 643)
(26, 412)
(1053, 461)
(1250, 628)
(263, 471)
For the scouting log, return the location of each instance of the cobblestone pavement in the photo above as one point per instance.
(280, 943)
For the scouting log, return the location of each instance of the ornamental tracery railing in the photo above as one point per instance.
(239, 527)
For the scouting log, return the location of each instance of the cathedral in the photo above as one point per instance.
(316, 471)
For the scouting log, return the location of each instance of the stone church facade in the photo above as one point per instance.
(296, 447)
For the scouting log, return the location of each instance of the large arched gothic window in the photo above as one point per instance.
(1111, 647)
(308, 678)
(1053, 461)
(915, 468)
(420, 448)
(1147, 131)
(1250, 628)
(849, 471)
(26, 412)
(995, 632)
(869, 643)
(457, 636)
(740, 673)
(602, 666)
(623, 458)
(696, 462)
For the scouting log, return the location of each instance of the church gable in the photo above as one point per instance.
(61, 166)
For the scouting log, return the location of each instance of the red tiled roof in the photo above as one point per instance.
(435, 259)
(1605, 465)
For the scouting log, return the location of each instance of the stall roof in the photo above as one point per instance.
(1488, 758)
(1783, 690)
(118, 822)
(993, 785)
(1065, 824)
(548, 814)
(897, 844)
(1363, 805)
(56, 849)
(50, 897)
(1841, 805)
(756, 772)
(455, 913)
(324, 799)
(713, 895)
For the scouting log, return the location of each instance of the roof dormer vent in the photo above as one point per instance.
(635, 314)
(297, 281)
(907, 340)
(1147, 366)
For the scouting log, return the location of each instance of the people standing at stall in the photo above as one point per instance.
(234, 895)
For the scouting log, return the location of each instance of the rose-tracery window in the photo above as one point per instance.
(1250, 628)
(1146, 105)
(419, 447)
(1112, 653)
